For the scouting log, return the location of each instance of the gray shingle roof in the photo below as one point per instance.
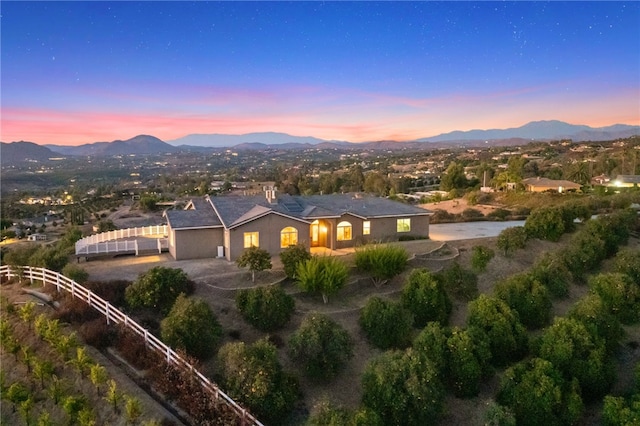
(234, 210)
(201, 215)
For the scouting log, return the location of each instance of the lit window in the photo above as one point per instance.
(251, 239)
(344, 231)
(366, 227)
(288, 237)
(404, 225)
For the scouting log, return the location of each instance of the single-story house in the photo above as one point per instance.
(224, 226)
(625, 181)
(541, 184)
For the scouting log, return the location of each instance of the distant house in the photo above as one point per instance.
(225, 226)
(37, 237)
(600, 180)
(540, 184)
(625, 181)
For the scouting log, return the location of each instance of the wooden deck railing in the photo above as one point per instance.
(114, 315)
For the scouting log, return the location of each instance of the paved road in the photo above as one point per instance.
(468, 230)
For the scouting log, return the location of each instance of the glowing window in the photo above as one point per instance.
(366, 227)
(344, 231)
(288, 237)
(404, 225)
(251, 239)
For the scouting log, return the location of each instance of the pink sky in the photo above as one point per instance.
(340, 114)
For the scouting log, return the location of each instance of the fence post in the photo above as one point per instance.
(135, 244)
(107, 313)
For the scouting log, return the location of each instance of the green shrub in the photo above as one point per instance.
(442, 216)
(325, 275)
(431, 344)
(499, 214)
(468, 355)
(507, 335)
(403, 389)
(253, 376)
(386, 323)
(75, 273)
(576, 353)
(158, 288)
(545, 223)
(597, 317)
(291, 257)
(527, 297)
(480, 257)
(383, 262)
(459, 282)
(619, 294)
(537, 394)
(256, 259)
(470, 214)
(627, 262)
(321, 346)
(511, 239)
(424, 296)
(584, 253)
(266, 308)
(191, 325)
(550, 271)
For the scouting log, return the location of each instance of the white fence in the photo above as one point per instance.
(107, 242)
(116, 316)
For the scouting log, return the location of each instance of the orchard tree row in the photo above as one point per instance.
(59, 379)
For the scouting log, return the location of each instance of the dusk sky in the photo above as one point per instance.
(82, 72)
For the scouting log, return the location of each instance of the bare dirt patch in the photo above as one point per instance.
(458, 205)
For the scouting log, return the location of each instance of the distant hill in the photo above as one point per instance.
(139, 145)
(20, 152)
(222, 140)
(541, 130)
(204, 143)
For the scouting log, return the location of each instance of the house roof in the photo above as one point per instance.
(544, 182)
(628, 178)
(231, 211)
(236, 210)
(197, 214)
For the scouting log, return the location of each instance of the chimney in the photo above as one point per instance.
(270, 193)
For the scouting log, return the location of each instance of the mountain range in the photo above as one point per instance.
(144, 144)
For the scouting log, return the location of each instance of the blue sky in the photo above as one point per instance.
(80, 72)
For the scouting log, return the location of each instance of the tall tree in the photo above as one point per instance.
(453, 178)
